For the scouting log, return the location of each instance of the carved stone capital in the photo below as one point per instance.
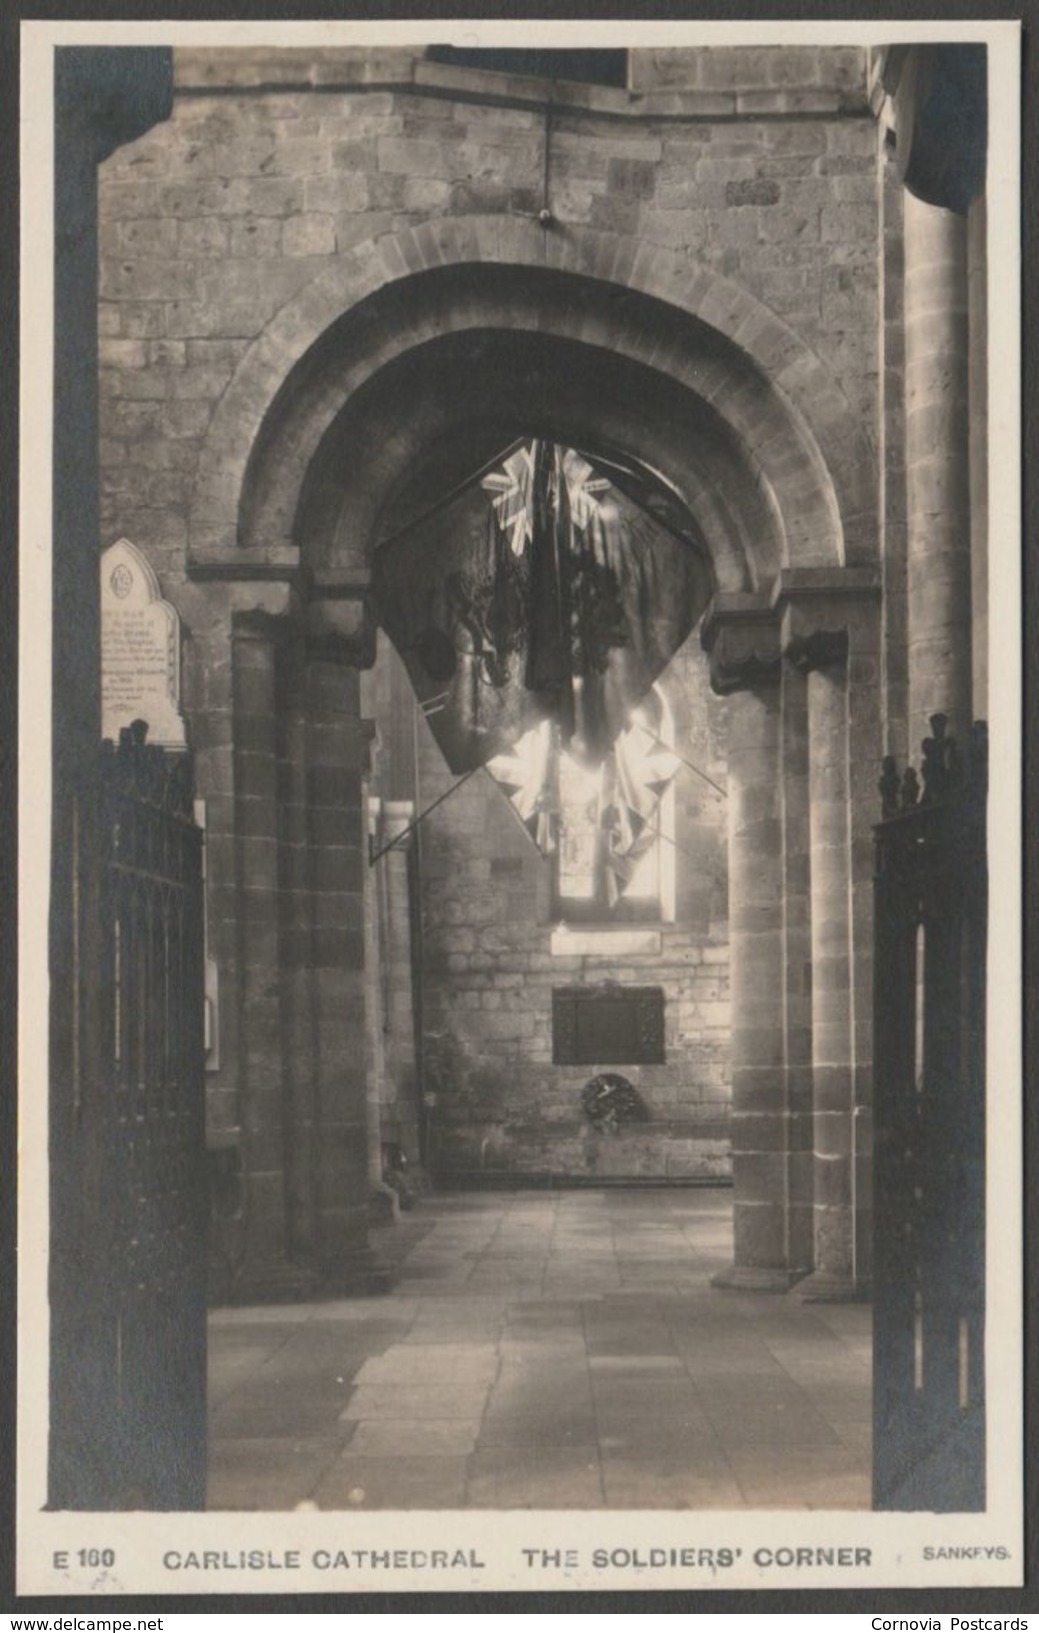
(266, 626)
(825, 612)
(740, 633)
(341, 627)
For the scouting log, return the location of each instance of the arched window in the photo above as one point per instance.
(609, 827)
(615, 858)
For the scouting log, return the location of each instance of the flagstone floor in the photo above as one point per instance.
(545, 1350)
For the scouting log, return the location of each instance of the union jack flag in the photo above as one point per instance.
(511, 490)
(521, 598)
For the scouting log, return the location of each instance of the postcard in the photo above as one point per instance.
(520, 858)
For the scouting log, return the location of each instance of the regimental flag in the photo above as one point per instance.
(559, 597)
(511, 489)
(636, 775)
(528, 776)
(612, 809)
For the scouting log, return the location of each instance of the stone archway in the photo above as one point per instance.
(824, 441)
(778, 482)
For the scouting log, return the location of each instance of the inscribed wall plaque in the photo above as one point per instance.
(607, 1026)
(140, 650)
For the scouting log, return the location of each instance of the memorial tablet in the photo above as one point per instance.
(140, 650)
(607, 1025)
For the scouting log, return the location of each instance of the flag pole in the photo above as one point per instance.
(445, 499)
(410, 829)
(671, 750)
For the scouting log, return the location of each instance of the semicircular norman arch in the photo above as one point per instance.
(743, 420)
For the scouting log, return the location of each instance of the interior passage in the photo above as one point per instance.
(546, 1350)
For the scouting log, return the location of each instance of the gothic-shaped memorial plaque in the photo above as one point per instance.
(140, 650)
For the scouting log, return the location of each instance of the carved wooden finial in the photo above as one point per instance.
(910, 789)
(940, 767)
(945, 774)
(889, 787)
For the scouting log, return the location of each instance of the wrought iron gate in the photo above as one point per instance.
(929, 1164)
(133, 1326)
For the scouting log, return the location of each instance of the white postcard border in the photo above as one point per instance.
(67, 1553)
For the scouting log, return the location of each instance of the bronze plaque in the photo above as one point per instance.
(608, 1026)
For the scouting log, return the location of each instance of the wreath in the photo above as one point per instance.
(610, 1100)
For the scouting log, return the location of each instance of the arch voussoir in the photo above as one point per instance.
(798, 394)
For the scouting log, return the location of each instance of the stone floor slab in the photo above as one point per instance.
(816, 1477)
(269, 1474)
(413, 1437)
(549, 1350)
(537, 1477)
(543, 1432)
(413, 1366)
(641, 1482)
(361, 1483)
(769, 1427)
(421, 1400)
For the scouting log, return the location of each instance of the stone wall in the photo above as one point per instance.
(212, 222)
(496, 1106)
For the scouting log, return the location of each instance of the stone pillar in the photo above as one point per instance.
(373, 1001)
(891, 461)
(977, 283)
(831, 636)
(263, 1270)
(759, 1101)
(295, 951)
(337, 759)
(401, 1110)
(832, 1041)
(741, 634)
(797, 962)
(937, 468)
(384, 1201)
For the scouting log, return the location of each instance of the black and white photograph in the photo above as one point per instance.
(520, 865)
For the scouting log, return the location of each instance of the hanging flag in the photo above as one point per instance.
(528, 776)
(559, 594)
(549, 672)
(511, 491)
(638, 772)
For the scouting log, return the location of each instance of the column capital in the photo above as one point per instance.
(822, 611)
(340, 624)
(270, 618)
(740, 634)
